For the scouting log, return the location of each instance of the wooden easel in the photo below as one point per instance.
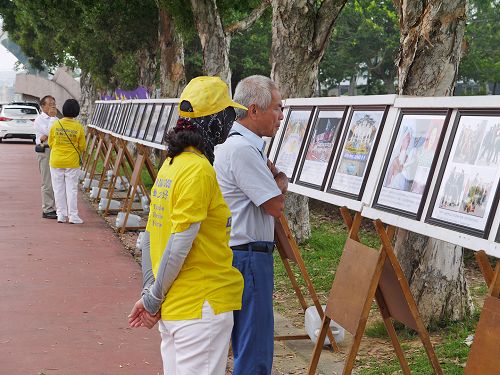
(100, 153)
(122, 157)
(289, 252)
(362, 275)
(136, 182)
(90, 150)
(484, 354)
(108, 162)
(90, 133)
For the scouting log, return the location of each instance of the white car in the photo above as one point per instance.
(17, 121)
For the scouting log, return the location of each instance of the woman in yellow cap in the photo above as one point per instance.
(189, 282)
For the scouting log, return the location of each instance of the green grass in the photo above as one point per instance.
(146, 178)
(452, 352)
(321, 255)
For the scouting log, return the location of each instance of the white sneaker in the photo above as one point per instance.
(61, 218)
(75, 220)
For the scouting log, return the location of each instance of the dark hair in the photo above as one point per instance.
(178, 140)
(44, 99)
(71, 108)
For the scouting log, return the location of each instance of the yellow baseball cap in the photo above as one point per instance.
(207, 95)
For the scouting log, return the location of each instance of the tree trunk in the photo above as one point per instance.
(431, 44)
(214, 41)
(353, 85)
(147, 68)
(430, 51)
(88, 97)
(172, 73)
(389, 85)
(300, 34)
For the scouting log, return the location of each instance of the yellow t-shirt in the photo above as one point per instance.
(62, 153)
(187, 192)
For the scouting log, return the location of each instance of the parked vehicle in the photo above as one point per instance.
(29, 104)
(17, 121)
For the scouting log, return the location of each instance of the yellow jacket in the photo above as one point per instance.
(62, 152)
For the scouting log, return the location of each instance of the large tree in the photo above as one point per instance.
(216, 23)
(431, 46)
(364, 43)
(481, 63)
(300, 33)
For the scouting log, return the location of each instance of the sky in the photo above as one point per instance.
(7, 59)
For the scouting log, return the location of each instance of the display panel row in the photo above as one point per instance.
(431, 163)
(331, 149)
(146, 121)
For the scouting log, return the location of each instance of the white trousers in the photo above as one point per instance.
(65, 185)
(198, 346)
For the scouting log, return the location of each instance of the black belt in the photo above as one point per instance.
(260, 247)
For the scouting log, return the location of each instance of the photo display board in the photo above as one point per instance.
(468, 181)
(162, 124)
(145, 120)
(408, 168)
(292, 138)
(321, 144)
(136, 121)
(357, 150)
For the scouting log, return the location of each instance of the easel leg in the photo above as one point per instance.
(495, 282)
(484, 266)
(319, 345)
(392, 332)
(386, 238)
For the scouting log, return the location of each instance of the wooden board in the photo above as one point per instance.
(484, 356)
(394, 297)
(353, 280)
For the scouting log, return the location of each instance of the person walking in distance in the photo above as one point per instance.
(67, 140)
(254, 190)
(42, 128)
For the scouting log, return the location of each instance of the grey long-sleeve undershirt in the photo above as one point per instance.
(176, 251)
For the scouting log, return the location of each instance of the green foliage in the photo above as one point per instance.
(364, 42)
(94, 35)
(250, 50)
(481, 62)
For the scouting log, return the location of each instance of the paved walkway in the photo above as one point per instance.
(66, 290)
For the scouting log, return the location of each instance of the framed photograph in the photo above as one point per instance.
(136, 120)
(127, 109)
(109, 116)
(291, 141)
(115, 124)
(146, 119)
(153, 122)
(323, 139)
(96, 114)
(129, 124)
(358, 144)
(466, 194)
(411, 160)
(163, 121)
(103, 115)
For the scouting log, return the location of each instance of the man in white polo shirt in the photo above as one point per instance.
(42, 128)
(254, 191)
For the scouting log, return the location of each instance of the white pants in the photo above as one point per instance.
(198, 346)
(65, 185)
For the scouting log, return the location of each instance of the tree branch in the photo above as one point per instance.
(326, 17)
(249, 21)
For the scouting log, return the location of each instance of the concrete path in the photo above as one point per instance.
(66, 290)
